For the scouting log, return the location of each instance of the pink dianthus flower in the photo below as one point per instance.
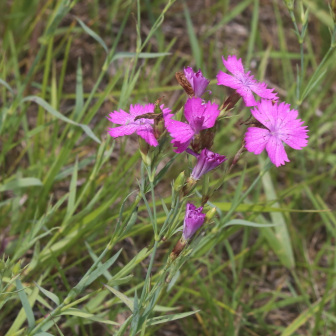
(199, 115)
(281, 125)
(143, 126)
(242, 82)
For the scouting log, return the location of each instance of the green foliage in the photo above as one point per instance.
(87, 230)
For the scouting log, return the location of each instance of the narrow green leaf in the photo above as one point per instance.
(136, 315)
(25, 303)
(94, 35)
(86, 315)
(60, 116)
(246, 223)
(140, 55)
(285, 253)
(48, 294)
(72, 191)
(169, 318)
(98, 272)
(128, 302)
(79, 91)
(6, 85)
(19, 183)
(106, 274)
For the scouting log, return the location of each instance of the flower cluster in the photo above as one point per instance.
(273, 125)
(278, 124)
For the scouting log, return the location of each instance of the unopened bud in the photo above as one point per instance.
(16, 268)
(209, 215)
(159, 126)
(144, 151)
(230, 102)
(189, 186)
(179, 182)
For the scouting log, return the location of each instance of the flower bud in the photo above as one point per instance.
(179, 182)
(230, 102)
(16, 268)
(144, 151)
(189, 186)
(159, 126)
(210, 214)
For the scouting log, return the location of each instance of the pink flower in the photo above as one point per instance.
(242, 82)
(193, 220)
(199, 115)
(143, 127)
(281, 125)
(196, 80)
(206, 161)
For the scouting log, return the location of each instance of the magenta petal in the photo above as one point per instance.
(193, 109)
(120, 118)
(256, 139)
(234, 65)
(206, 161)
(261, 90)
(197, 81)
(181, 146)
(165, 110)
(189, 73)
(276, 151)
(123, 130)
(247, 95)
(137, 109)
(178, 130)
(210, 113)
(265, 113)
(200, 84)
(296, 138)
(147, 133)
(228, 80)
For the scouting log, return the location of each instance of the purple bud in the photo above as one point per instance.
(206, 161)
(194, 218)
(197, 81)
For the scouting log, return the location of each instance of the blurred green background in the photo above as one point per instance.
(64, 65)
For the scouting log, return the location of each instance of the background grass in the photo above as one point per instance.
(74, 202)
